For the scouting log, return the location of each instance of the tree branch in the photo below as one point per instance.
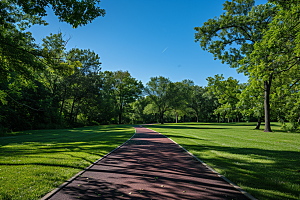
(234, 26)
(286, 69)
(40, 109)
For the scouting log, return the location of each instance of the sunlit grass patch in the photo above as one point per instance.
(32, 163)
(267, 165)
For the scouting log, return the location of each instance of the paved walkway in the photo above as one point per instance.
(149, 166)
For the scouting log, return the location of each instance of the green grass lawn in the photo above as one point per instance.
(32, 163)
(267, 165)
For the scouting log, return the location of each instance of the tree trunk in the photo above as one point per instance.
(218, 118)
(77, 111)
(267, 104)
(176, 117)
(228, 119)
(224, 117)
(197, 117)
(162, 118)
(120, 114)
(71, 114)
(62, 104)
(258, 123)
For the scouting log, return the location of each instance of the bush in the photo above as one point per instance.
(289, 127)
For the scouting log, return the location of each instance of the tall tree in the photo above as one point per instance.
(127, 90)
(159, 89)
(277, 55)
(181, 94)
(197, 100)
(84, 83)
(242, 25)
(18, 52)
(227, 92)
(211, 103)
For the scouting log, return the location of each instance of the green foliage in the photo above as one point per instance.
(178, 102)
(127, 89)
(202, 103)
(275, 61)
(18, 50)
(74, 12)
(264, 40)
(241, 25)
(36, 80)
(142, 111)
(181, 93)
(228, 93)
(252, 100)
(69, 82)
(160, 89)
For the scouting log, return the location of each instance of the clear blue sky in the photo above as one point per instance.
(148, 38)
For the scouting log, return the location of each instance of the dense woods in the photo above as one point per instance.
(47, 86)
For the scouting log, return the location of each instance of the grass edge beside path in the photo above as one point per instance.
(264, 164)
(33, 163)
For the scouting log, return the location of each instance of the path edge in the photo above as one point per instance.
(207, 166)
(53, 192)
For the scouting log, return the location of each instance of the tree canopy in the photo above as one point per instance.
(47, 86)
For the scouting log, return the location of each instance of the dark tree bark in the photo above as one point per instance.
(162, 118)
(224, 117)
(258, 123)
(120, 114)
(267, 104)
(62, 104)
(71, 113)
(218, 118)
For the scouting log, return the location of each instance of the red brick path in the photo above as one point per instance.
(150, 166)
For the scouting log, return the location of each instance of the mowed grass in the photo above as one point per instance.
(267, 165)
(32, 163)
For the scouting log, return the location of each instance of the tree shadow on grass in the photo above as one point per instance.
(267, 170)
(66, 146)
(182, 127)
(213, 124)
(42, 164)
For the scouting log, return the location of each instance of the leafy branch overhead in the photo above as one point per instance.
(241, 25)
(19, 54)
(74, 12)
(18, 50)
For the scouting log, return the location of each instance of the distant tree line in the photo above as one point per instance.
(47, 86)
